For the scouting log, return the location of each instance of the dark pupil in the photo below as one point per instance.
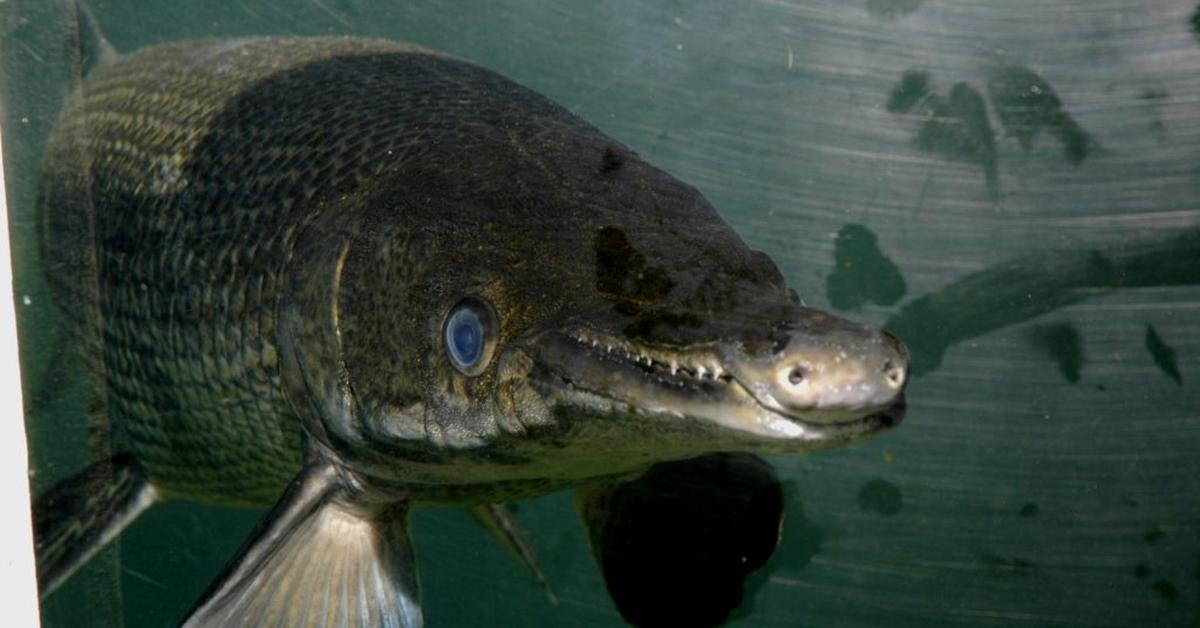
(466, 341)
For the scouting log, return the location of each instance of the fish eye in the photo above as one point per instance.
(470, 335)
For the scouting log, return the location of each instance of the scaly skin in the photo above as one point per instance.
(259, 241)
(194, 226)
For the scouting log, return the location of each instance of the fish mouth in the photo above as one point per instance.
(700, 384)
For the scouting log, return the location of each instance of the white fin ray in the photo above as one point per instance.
(318, 561)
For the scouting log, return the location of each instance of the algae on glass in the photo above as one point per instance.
(1006, 186)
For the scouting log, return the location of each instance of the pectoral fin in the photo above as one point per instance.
(93, 48)
(82, 514)
(500, 522)
(317, 560)
(676, 544)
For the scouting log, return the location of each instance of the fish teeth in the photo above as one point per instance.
(671, 361)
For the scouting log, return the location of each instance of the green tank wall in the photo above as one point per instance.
(1008, 185)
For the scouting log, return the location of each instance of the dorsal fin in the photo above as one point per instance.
(316, 560)
(91, 47)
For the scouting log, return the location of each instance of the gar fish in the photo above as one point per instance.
(346, 276)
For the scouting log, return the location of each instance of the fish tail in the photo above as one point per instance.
(79, 516)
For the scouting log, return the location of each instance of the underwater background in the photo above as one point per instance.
(1010, 186)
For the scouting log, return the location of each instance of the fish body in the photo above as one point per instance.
(345, 276)
(170, 247)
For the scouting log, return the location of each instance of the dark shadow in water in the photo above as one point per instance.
(800, 540)
(1194, 22)
(1163, 354)
(1063, 344)
(1021, 289)
(861, 272)
(1166, 589)
(676, 544)
(1025, 104)
(913, 87)
(1154, 97)
(959, 130)
(892, 9)
(1163, 587)
(1030, 509)
(955, 128)
(1141, 571)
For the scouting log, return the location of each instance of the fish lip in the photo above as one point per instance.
(891, 415)
(562, 378)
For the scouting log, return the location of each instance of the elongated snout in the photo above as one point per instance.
(856, 374)
(827, 375)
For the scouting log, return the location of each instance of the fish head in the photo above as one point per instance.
(592, 331)
(679, 342)
(571, 316)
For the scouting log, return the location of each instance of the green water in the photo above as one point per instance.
(1009, 185)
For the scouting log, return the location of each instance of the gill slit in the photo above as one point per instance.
(336, 320)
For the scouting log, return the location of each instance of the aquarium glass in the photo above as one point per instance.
(1009, 186)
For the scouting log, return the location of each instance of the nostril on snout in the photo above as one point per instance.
(894, 374)
(797, 374)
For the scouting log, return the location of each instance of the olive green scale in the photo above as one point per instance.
(173, 201)
(260, 241)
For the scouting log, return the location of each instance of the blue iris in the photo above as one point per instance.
(465, 336)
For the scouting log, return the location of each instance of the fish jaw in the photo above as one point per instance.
(722, 396)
